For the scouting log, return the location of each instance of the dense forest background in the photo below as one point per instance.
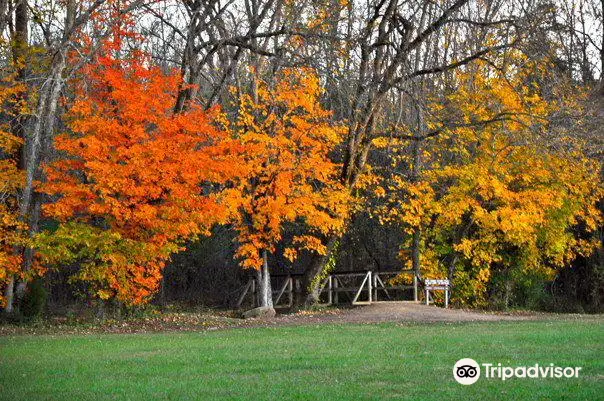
(165, 151)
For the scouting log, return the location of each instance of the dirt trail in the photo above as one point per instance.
(400, 312)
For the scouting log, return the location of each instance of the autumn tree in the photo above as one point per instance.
(129, 189)
(288, 175)
(13, 231)
(47, 30)
(496, 205)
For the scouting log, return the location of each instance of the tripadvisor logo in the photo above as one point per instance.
(467, 371)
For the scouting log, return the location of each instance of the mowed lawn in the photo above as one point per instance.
(329, 362)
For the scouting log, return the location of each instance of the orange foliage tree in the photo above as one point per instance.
(129, 188)
(13, 232)
(287, 174)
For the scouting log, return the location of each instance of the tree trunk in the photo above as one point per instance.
(42, 132)
(28, 253)
(415, 177)
(265, 291)
(9, 295)
(310, 293)
(19, 51)
(415, 245)
(416, 252)
(310, 290)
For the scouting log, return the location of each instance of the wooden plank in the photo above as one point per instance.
(281, 291)
(384, 286)
(354, 300)
(350, 274)
(346, 289)
(393, 272)
(244, 293)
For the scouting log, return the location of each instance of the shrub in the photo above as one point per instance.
(34, 300)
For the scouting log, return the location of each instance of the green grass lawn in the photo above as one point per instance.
(329, 362)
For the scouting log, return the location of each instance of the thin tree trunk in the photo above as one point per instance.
(416, 241)
(416, 252)
(19, 50)
(265, 290)
(415, 177)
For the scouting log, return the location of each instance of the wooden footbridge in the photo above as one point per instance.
(352, 287)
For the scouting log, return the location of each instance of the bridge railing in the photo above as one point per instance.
(354, 287)
(382, 282)
(284, 287)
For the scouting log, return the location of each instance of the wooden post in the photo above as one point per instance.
(297, 286)
(290, 292)
(427, 294)
(330, 292)
(336, 296)
(375, 287)
(370, 283)
(447, 297)
(254, 293)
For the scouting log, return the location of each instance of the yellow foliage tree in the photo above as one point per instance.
(495, 202)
